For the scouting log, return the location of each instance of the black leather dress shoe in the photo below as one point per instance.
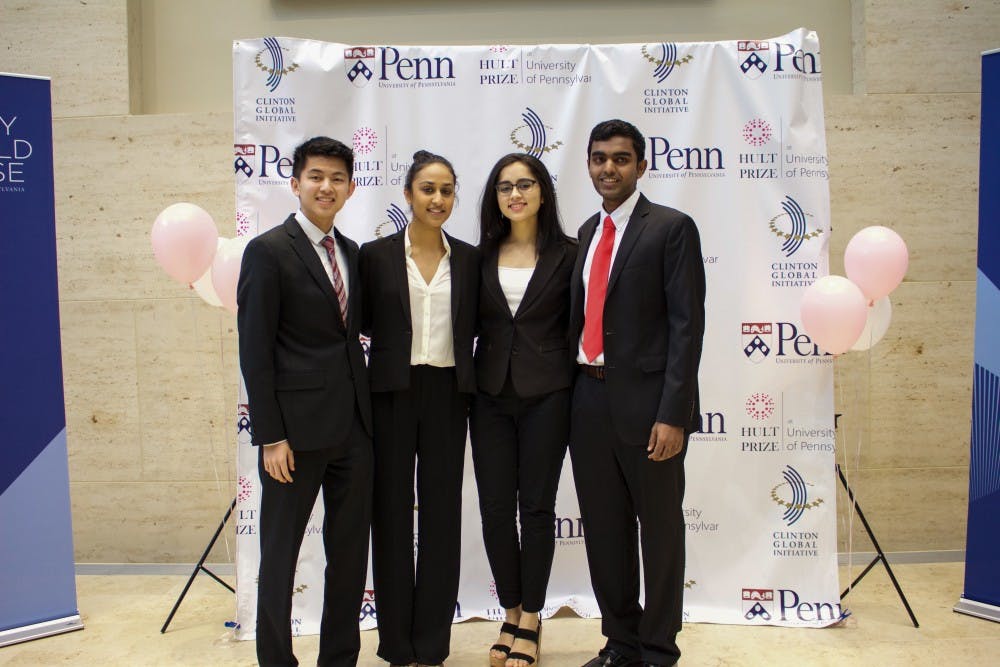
(610, 658)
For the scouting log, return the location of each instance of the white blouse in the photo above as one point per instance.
(430, 311)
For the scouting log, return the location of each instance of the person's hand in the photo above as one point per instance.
(665, 441)
(279, 461)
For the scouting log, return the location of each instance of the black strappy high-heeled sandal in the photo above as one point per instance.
(534, 636)
(506, 628)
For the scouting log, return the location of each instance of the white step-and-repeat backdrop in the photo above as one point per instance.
(735, 138)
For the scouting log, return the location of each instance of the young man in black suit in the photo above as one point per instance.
(637, 318)
(299, 314)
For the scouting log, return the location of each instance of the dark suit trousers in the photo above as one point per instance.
(617, 484)
(344, 473)
(518, 446)
(422, 427)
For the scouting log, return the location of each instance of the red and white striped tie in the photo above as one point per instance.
(338, 280)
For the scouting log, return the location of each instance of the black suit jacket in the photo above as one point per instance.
(304, 369)
(654, 320)
(387, 310)
(533, 343)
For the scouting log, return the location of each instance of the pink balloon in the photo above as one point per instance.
(184, 239)
(834, 312)
(876, 260)
(226, 270)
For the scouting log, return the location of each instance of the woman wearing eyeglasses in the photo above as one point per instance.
(519, 422)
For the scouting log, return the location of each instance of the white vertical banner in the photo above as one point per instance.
(735, 138)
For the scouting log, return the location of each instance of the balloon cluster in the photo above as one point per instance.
(841, 314)
(187, 246)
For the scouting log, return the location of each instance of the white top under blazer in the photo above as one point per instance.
(433, 341)
(514, 282)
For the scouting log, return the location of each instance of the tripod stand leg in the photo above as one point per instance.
(200, 566)
(878, 550)
(860, 577)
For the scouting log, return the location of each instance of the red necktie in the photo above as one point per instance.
(338, 281)
(597, 288)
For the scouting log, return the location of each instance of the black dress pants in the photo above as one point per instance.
(518, 446)
(423, 427)
(619, 490)
(345, 475)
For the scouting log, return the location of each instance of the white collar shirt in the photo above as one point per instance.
(620, 217)
(433, 341)
(316, 236)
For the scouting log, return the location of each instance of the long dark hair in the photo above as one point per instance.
(494, 226)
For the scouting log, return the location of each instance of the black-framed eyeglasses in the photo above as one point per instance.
(522, 185)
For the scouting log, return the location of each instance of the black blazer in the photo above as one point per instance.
(533, 343)
(654, 320)
(387, 310)
(304, 369)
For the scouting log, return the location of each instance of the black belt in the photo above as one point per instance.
(596, 372)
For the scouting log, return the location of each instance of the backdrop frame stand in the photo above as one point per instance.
(200, 567)
(879, 554)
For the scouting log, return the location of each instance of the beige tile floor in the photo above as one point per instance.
(123, 615)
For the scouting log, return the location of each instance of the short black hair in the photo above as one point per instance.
(420, 160)
(322, 147)
(618, 128)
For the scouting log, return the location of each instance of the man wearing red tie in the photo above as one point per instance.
(637, 316)
(299, 315)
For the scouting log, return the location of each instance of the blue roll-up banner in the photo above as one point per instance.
(982, 551)
(37, 584)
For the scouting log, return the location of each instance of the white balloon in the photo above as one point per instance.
(226, 270)
(203, 286)
(879, 316)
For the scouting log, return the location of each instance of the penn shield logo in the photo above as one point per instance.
(532, 137)
(758, 604)
(663, 56)
(240, 164)
(394, 222)
(244, 428)
(358, 60)
(271, 61)
(793, 495)
(758, 339)
(243, 425)
(792, 227)
(368, 609)
(754, 57)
